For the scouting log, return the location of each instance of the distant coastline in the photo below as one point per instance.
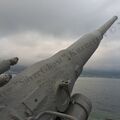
(100, 73)
(86, 73)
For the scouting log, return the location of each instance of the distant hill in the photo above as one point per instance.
(101, 73)
(17, 69)
(86, 73)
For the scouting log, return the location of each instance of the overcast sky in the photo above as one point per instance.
(36, 29)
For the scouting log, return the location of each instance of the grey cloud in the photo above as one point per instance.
(31, 47)
(57, 17)
(107, 56)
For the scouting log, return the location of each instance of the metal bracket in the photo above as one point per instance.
(62, 96)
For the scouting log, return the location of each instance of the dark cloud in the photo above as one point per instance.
(57, 17)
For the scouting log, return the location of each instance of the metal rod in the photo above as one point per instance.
(62, 115)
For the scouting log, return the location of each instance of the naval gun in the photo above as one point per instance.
(43, 90)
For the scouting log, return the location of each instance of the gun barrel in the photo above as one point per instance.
(6, 64)
(107, 25)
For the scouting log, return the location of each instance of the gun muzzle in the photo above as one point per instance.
(6, 64)
(14, 60)
(103, 29)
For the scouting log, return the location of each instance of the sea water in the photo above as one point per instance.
(104, 94)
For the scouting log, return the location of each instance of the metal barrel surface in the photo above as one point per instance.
(107, 25)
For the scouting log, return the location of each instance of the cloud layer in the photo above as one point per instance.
(31, 46)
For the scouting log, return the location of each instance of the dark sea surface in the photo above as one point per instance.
(104, 94)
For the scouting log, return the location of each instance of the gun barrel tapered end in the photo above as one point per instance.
(103, 29)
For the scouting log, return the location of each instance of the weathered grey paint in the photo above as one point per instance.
(36, 89)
